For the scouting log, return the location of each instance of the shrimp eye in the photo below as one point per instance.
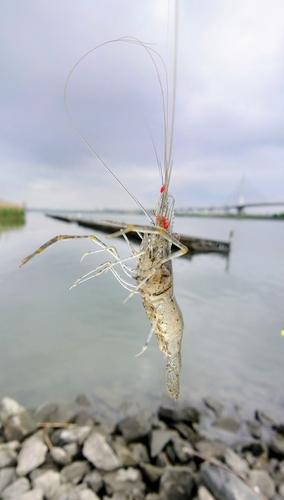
(162, 189)
(162, 222)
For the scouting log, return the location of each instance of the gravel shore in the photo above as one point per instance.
(56, 452)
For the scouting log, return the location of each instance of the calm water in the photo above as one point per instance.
(55, 343)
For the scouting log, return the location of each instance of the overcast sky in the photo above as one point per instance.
(230, 101)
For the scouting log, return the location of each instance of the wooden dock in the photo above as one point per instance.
(194, 245)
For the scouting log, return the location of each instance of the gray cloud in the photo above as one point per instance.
(230, 101)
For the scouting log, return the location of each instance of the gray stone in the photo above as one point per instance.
(74, 472)
(71, 449)
(7, 475)
(229, 424)
(87, 494)
(235, 462)
(64, 492)
(16, 488)
(82, 400)
(254, 429)
(124, 455)
(94, 480)
(7, 455)
(264, 419)
(75, 434)
(16, 420)
(32, 454)
(48, 482)
(152, 472)
(277, 445)
(134, 428)
(152, 496)
(83, 418)
(139, 452)
(281, 490)
(60, 456)
(181, 448)
(184, 414)
(55, 412)
(263, 481)
(225, 485)
(186, 432)
(125, 480)
(99, 453)
(35, 494)
(8, 408)
(158, 441)
(214, 405)
(203, 494)
(212, 449)
(176, 483)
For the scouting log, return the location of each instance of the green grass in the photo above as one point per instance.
(11, 216)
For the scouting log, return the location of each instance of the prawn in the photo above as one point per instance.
(153, 272)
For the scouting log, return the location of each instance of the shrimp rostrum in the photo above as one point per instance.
(153, 273)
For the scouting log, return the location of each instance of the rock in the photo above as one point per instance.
(75, 434)
(263, 481)
(124, 455)
(8, 455)
(87, 494)
(254, 429)
(124, 480)
(16, 488)
(82, 400)
(203, 494)
(83, 418)
(186, 432)
(257, 448)
(74, 472)
(158, 441)
(214, 405)
(72, 449)
(60, 456)
(152, 496)
(55, 412)
(152, 472)
(185, 414)
(32, 454)
(8, 408)
(48, 482)
(264, 419)
(281, 490)
(229, 424)
(176, 483)
(225, 485)
(212, 449)
(277, 445)
(235, 462)
(16, 420)
(35, 494)
(64, 492)
(181, 448)
(7, 475)
(94, 480)
(139, 452)
(99, 453)
(133, 428)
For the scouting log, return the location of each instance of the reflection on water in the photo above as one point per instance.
(56, 343)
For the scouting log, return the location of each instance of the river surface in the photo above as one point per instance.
(56, 343)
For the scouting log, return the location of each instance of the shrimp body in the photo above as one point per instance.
(155, 275)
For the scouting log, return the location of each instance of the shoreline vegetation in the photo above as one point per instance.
(62, 451)
(11, 215)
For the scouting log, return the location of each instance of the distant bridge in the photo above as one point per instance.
(239, 207)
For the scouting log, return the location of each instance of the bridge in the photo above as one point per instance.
(239, 207)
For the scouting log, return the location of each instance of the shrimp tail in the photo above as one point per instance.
(173, 368)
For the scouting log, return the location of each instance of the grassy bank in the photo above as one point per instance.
(11, 216)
